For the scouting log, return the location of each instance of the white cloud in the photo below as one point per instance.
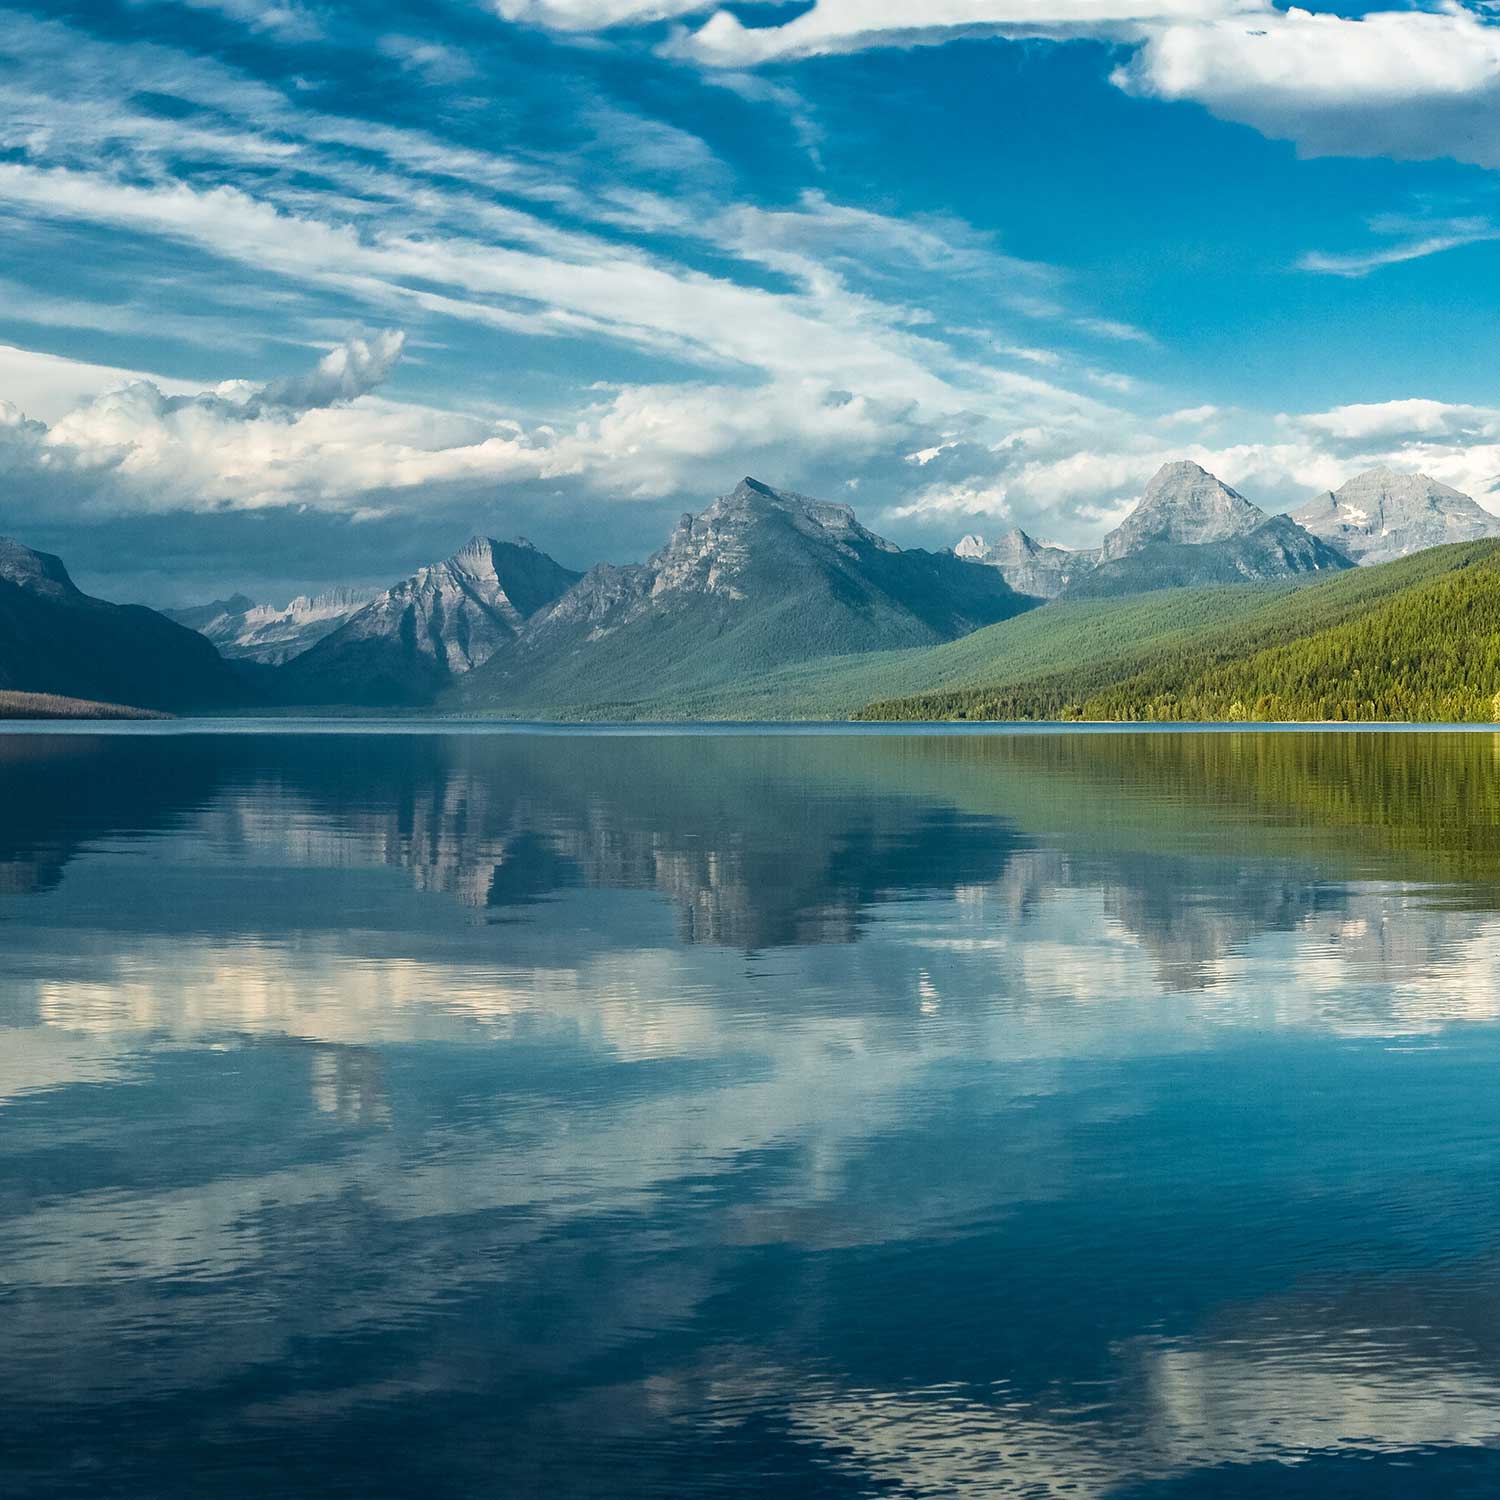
(1394, 422)
(1416, 243)
(1313, 60)
(51, 385)
(1112, 328)
(432, 61)
(322, 439)
(288, 21)
(833, 26)
(1192, 416)
(1415, 84)
(343, 374)
(594, 15)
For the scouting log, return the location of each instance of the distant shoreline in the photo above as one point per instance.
(142, 722)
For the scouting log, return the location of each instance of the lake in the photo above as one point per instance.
(843, 1114)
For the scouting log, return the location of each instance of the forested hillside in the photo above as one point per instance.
(837, 687)
(1415, 639)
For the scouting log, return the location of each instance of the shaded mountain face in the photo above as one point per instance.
(1027, 565)
(1380, 515)
(760, 579)
(1185, 505)
(409, 643)
(246, 631)
(56, 639)
(1278, 548)
(199, 616)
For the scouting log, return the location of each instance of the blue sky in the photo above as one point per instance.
(296, 294)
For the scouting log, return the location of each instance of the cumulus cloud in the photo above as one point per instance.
(321, 439)
(343, 374)
(1413, 84)
(1398, 422)
(325, 440)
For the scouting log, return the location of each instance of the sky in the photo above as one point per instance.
(296, 294)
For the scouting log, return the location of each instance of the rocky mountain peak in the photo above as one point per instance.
(235, 604)
(758, 497)
(711, 550)
(476, 558)
(38, 572)
(1380, 515)
(1183, 503)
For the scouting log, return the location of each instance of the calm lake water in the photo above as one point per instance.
(513, 1115)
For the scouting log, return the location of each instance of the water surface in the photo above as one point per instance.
(472, 1114)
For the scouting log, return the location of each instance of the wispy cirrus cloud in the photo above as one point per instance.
(840, 26)
(595, 15)
(1409, 240)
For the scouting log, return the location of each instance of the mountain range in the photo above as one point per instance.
(767, 603)
(246, 631)
(760, 579)
(1189, 528)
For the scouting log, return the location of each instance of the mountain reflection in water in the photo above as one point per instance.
(1035, 1114)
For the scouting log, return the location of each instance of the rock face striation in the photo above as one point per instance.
(761, 579)
(1027, 565)
(1183, 505)
(266, 633)
(1278, 548)
(412, 640)
(56, 639)
(1380, 515)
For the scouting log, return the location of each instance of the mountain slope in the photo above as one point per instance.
(246, 631)
(1278, 548)
(761, 579)
(410, 642)
(1012, 651)
(1380, 515)
(1431, 654)
(1174, 678)
(1027, 565)
(56, 639)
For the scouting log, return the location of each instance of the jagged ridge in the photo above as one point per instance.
(410, 641)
